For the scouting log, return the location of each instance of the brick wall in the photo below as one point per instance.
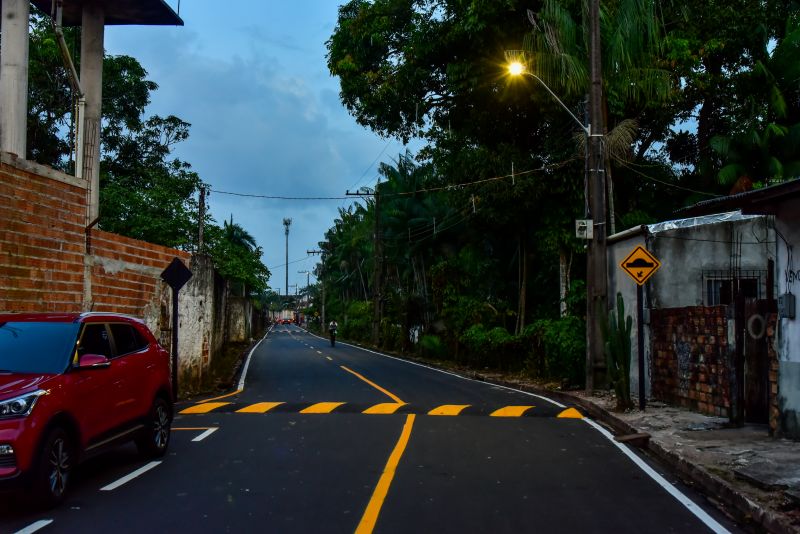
(42, 239)
(126, 272)
(690, 365)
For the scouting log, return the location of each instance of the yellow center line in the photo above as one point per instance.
(373, 384)
(370, 517)
(221, 397)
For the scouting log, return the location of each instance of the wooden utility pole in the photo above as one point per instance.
(377, 284)
(597, 279)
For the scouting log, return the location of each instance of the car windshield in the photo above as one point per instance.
(36, 347)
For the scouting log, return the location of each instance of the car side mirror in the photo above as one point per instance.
(93, 361)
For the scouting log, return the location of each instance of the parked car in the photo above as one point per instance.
(73, 385)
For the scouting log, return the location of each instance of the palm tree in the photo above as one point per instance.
(238, 236)
(631, 43)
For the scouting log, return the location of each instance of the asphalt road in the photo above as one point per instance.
(324, 439)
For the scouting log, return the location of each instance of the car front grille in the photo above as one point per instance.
(8, 460)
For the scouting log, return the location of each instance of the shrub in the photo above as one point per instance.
(432, 346)
(560, 349)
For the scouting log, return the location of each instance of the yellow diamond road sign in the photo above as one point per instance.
(640, 265)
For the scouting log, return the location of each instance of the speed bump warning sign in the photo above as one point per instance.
(640, 265)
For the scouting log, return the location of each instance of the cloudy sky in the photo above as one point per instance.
(250, 76)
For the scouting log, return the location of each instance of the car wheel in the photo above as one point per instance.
(54, 468)
(154, 440)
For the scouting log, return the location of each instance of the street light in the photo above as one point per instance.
(517, 67)
(597, 266)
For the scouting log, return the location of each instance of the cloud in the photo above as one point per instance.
(266, 120)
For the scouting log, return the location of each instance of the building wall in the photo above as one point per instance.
(691, 366)
(49, 262)
(620, 282)
(685, 253)
(787, 224)
(42, 238)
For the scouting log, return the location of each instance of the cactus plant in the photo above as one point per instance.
(618, 354)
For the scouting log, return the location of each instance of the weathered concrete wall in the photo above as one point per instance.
(240, 319)
(620, 282)
(686, 252)
(691, 362)
(787, 223)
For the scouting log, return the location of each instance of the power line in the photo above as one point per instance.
(275, 197)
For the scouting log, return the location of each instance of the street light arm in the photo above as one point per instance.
(585, 129)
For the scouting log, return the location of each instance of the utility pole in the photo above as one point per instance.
(377, 285)
(322, 283)
(597, 279)
(287, 223)
(201, 219)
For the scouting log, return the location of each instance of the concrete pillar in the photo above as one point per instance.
(92, 35)
(14, 76)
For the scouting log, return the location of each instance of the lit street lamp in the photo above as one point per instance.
(597, 263)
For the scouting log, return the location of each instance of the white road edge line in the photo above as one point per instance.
(683, 499)
(128, 478)
(33, 527)
(690, 505)
(205, 434)
(247, 363)
(551, 401)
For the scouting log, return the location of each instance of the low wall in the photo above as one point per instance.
(691, 366)
(50, 262)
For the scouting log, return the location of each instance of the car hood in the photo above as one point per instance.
(14, 383)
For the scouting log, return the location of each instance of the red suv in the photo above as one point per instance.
(72, 385)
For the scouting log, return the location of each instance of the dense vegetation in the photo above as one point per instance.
(475, 234)
(145, 192)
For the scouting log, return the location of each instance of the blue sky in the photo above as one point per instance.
(266, 118)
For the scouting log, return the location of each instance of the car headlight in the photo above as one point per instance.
(20, 406)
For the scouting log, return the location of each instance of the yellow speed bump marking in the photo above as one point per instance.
(322, 407)
(511, 411)
(570, 413)
(204, 408)
(385, 408)
(448, 409)
(259, 407)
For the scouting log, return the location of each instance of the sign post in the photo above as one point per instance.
(175, 275)
(640, 265)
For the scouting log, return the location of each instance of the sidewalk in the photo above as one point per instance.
(753, 478)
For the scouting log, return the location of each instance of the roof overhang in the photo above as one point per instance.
(117, 12)
(766, 201)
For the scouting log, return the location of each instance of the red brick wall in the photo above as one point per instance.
(42, 238)
(126, 272)
(690, 358)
